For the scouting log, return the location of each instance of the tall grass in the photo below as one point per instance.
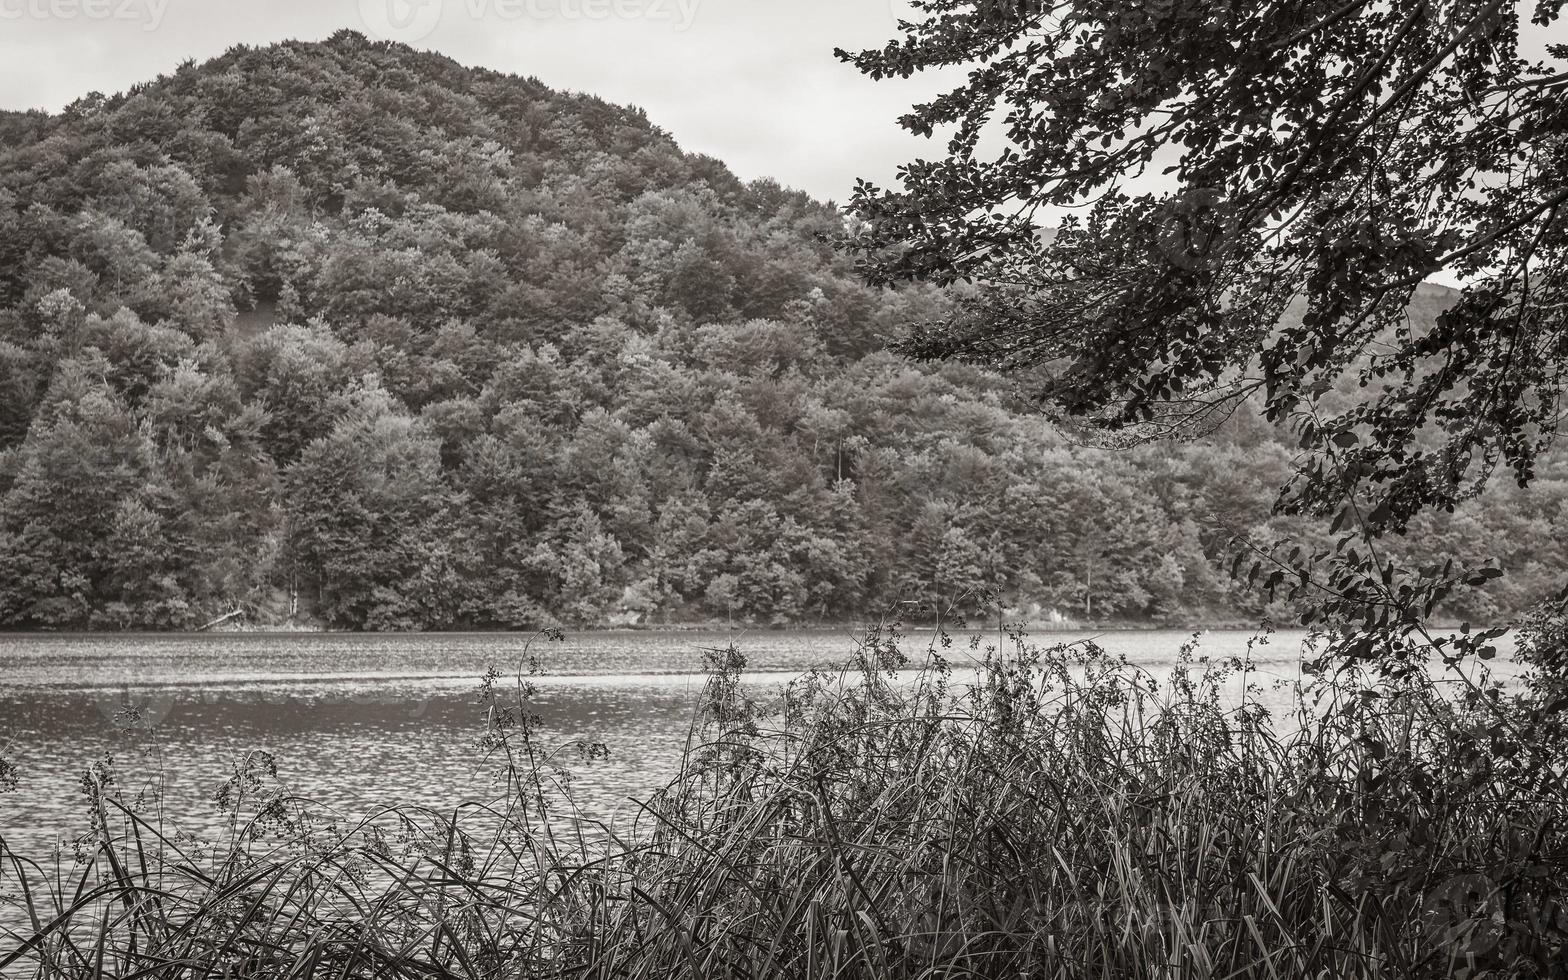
(1052, 812)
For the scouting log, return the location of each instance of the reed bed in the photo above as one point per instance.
(1058, 814)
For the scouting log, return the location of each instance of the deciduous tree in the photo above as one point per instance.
(1317, 161)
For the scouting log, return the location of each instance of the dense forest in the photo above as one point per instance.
(351, 334)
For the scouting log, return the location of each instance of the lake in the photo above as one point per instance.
(354, 719)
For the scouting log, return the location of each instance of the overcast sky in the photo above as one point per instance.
(751, 82)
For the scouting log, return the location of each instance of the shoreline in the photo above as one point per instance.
(852, 627)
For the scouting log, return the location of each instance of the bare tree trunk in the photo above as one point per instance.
(220, 620)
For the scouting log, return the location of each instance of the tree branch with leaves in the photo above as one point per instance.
(1321, 161)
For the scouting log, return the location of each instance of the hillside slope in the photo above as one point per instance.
(352, 333)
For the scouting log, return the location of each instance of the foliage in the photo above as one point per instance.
(349, 333)
(1044, 812)
(1320, 161)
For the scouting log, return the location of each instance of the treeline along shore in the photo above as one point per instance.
(349, 335)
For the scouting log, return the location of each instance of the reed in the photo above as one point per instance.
(1049, 812)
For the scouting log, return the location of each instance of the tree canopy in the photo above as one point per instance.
(353, 333)
(1247, 201)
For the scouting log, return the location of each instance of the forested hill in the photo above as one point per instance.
(355, 334)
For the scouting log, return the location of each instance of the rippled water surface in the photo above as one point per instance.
(355, 720)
